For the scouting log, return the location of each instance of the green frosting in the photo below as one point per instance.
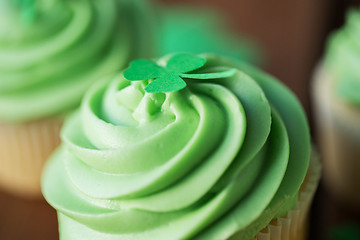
(217, 159)
(343, 59)
(52, 51)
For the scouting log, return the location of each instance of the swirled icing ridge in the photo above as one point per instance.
(343, 58)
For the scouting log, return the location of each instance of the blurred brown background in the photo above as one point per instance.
(292, 35)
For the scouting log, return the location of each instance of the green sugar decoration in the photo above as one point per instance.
(171, 77)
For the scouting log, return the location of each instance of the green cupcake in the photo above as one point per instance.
(336, 94)
(192, 147)
(51, 51)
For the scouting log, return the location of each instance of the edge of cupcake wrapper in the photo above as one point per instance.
(293, 225)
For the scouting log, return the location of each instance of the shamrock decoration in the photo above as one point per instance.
(170, 77)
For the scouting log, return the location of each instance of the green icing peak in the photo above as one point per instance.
(343, 58)
(143, 105)
(223, 156)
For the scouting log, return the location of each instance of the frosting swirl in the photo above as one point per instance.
(218, 158)
(46, 64)
(343, 59)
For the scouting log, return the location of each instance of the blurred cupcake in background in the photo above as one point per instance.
(51, 51)
(196, 30)
(336, 95)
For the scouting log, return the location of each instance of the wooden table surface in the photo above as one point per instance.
(22, 219)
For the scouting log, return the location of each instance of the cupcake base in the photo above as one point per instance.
(338, 126)
(24, 149)
(294, 226)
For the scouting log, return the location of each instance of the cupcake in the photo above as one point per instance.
(50, 53)
(336, 95)
(195, 30)
(185, 147)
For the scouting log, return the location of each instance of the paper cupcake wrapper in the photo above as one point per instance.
(294, 225)
(338, 132)
(24, 149)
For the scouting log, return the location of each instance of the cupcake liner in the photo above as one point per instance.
(339, 139)
(293, 226)
(24, 149)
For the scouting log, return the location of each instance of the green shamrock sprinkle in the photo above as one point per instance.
(170, 77)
